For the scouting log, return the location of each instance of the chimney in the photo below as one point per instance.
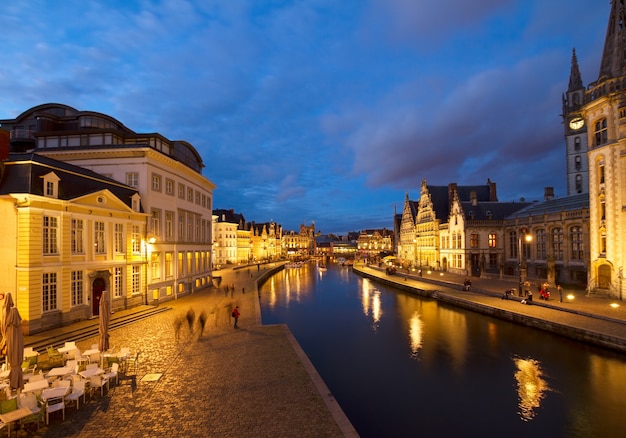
(493, 196)
(474, 198)
(548, 193)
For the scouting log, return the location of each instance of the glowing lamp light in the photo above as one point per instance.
(614, 305)
(570, 297)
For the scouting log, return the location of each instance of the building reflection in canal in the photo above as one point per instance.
(402, 365)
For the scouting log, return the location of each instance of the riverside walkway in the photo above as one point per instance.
(595, 320)
(216, 381)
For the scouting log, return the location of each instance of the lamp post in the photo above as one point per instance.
(527, 238)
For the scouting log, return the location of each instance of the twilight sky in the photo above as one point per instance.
(319, 110)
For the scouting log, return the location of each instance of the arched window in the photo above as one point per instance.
(577, 143)
(579, 183)
(578, 164)
(540, 238)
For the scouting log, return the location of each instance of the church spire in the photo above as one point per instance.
(575, 80)
(613, 64)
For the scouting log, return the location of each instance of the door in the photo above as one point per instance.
(96, 292)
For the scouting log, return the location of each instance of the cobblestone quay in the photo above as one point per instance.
(215, 381)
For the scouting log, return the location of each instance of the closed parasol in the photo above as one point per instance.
(15, 348)
(105, 317)
(4, 314)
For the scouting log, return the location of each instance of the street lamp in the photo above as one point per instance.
(527, 238)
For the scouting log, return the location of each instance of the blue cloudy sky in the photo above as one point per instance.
(319, 110)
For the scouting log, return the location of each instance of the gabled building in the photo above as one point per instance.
(69, 234)
(372, 243)
(299, 245)
(166, 173)
(454, 228)
(266, 241)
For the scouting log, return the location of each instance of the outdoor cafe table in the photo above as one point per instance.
(37, 385)
(30, 353)
(67, 349)
(5, 374)
(90, 372)
(60, 371)
(15, 415)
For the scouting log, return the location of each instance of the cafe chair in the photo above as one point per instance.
(98, 382)
(133, 361)
(54, 405)
(112, 373)
(31, 402)
(78, 391)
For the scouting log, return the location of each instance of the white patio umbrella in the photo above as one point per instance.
(105, 318)
(15, 348)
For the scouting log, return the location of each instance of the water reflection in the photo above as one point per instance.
(370, 301)
(416, 331)
(531, 387)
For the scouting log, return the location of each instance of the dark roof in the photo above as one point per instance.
(23, 173)
(231, 217)
(556, 205)
(491, 210)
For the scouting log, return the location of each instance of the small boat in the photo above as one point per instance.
(341, 261)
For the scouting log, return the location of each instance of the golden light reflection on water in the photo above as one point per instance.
(416, 332)
(370, 302)
(293, 283)
(531, 387)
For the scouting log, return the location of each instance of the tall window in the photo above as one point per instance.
(99, 237)
(577, 143)
(119, 238)
(181, 226)
(49, 291)
(155, 264)
(513, 244)
(169, 187)
(578, 164)
(579, 183)
(156, 222)
(136, 280)
(76, 288)
(540, 236)
(474, 240)
(557, 243)
(493, 240)
(169, 226)
(132, 179)
(181, 191)
(189, 194)
(156, 182)
(136, 238)
(50, 233)
(601, 132)
(117, 282)
(76, 238)
(576, 239)
(169, 264)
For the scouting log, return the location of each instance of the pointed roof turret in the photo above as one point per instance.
(613, 64)
(575, 80)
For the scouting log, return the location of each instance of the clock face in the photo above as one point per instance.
(576, 123)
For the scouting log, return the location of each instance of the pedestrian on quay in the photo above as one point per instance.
(560, 289)
(235, 315)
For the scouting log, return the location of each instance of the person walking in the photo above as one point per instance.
(235, 315)
(560, 289)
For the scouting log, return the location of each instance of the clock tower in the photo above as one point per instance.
(577, 167)
(604, 112)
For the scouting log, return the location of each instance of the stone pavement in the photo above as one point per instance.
(254, 381)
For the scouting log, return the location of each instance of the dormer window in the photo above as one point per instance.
(489, 214)
(51, 185)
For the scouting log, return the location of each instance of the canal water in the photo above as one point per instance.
(406, 366)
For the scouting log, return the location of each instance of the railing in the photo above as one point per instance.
(22, 134)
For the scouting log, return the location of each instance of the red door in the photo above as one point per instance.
(96, 292)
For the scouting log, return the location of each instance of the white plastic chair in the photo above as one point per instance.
(78, 391)
(98, 382)
(112, 374)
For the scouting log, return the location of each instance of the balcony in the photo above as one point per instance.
(22, 135)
